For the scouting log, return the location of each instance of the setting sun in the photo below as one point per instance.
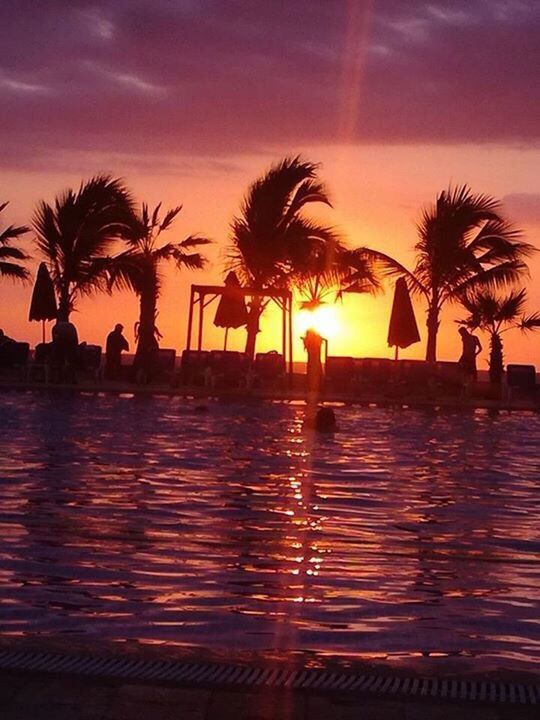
(324, 319)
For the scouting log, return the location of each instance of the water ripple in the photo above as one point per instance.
(407, 533)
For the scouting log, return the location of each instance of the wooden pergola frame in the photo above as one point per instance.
(282, 298)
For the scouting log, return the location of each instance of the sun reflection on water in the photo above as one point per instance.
(405, 535)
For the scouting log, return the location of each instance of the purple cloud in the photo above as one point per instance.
(166, 77)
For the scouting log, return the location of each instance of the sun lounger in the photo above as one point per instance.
(228, 368)
(374, 373)
(448, 377)
(14, 356)
(38, 369)
(521, 381)
(195, 367)
(268, 369)
(340, 373)
(165, 362)
(90, 360)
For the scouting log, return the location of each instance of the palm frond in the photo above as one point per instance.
(76, 233)
(195, 241)
(512, 305)
(530, 322)
(169, 217)
(387, 266)
(499, 276)
(155, 214)
(11, 253)
(490, 311)
(272, 243)
(191, 261)
(12, 232)
(8, 252)
(13, 271)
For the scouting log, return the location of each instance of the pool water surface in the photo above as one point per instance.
(406, 534)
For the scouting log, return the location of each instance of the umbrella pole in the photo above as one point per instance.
(43, 331)
(396, 353)
(225, 343)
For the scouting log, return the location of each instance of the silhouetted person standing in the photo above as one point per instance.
(65, 347)
(116, 344)
(467, 361)
(313, 343)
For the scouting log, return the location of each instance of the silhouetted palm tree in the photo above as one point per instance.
(492, 313)
(334, 268)
(464, 244)
(11, 257)
(272, 242)
(75, 236)
(138, 267)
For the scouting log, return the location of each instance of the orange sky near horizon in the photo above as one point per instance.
(378, 192)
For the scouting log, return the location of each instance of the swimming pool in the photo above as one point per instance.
(409, 534)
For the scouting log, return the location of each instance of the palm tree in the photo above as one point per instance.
(492, 313)
(76, 234)
(11, 257)
(464, 245)
(138, 267)
(272, 242)
(334, 268)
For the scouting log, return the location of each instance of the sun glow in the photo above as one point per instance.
(323, 319)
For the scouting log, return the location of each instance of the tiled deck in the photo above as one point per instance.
(31, 696)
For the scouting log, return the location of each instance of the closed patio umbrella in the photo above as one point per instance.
(43, 304)
(231, 311)
(403, 330)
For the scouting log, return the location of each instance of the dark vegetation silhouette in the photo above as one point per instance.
(275, 246)
(93, 239)
(12, 258)
(464, 244)
(272, 239)
(76, 234)
(495, 315)
(138, 267)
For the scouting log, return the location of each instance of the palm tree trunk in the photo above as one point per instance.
(146, 344)
(496, 366)
(64, 306)
(252, 326)
(147, 318)
(432, 324)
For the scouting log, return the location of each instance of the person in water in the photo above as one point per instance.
(325, 420)
(313, 343)
(467, 361)
(116, 344)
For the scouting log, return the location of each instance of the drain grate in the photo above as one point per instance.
(250, 676)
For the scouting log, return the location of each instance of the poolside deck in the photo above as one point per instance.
(366, 398)
(122, 685)
(34, 696)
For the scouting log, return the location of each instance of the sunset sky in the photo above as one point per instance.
(190, 100)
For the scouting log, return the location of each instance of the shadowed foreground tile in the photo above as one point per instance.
(429, 711)
(267, 704)
(50, 697)
(9, 687)
(141, 702)
(348, 708)
(50, 711)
